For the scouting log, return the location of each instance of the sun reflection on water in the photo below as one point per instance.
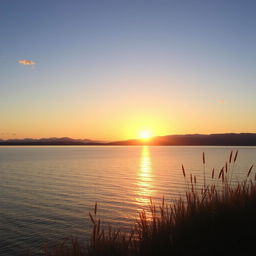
(144, 176)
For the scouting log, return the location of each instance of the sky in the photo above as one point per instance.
(107, 70)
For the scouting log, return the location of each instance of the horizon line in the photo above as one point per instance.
(121, 140)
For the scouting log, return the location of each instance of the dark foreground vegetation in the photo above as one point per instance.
(216, 218)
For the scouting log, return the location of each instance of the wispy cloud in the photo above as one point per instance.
(27, 62)
(7, 135)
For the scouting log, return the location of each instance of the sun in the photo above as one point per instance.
(145, 134)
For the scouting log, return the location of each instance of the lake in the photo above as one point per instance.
(47, 191)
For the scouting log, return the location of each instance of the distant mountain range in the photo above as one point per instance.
(50, 141)
(226, 139)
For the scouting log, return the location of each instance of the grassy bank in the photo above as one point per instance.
(215, 218)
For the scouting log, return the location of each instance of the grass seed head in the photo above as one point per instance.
(183, 171)
(230, 156)
(235, 156)
(249, 172)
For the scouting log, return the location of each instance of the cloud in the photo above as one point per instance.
(27, 62)
(7, 134)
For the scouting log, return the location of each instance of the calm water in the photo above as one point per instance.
(47, 192)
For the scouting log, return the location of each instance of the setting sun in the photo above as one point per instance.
(145, 135)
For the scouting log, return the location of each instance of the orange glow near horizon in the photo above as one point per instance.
(116, 127)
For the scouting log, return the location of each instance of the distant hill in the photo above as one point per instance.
(50, 141)
(225, 139)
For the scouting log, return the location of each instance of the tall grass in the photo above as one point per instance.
(216, 218)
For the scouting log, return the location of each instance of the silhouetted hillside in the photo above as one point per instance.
(226, 139)
(49, 141)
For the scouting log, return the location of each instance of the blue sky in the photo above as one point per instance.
(106, 69)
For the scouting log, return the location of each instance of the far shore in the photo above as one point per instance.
(225, 139)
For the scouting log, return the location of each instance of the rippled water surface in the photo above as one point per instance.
(47, 192)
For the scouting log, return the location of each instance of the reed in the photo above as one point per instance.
(214, 219)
